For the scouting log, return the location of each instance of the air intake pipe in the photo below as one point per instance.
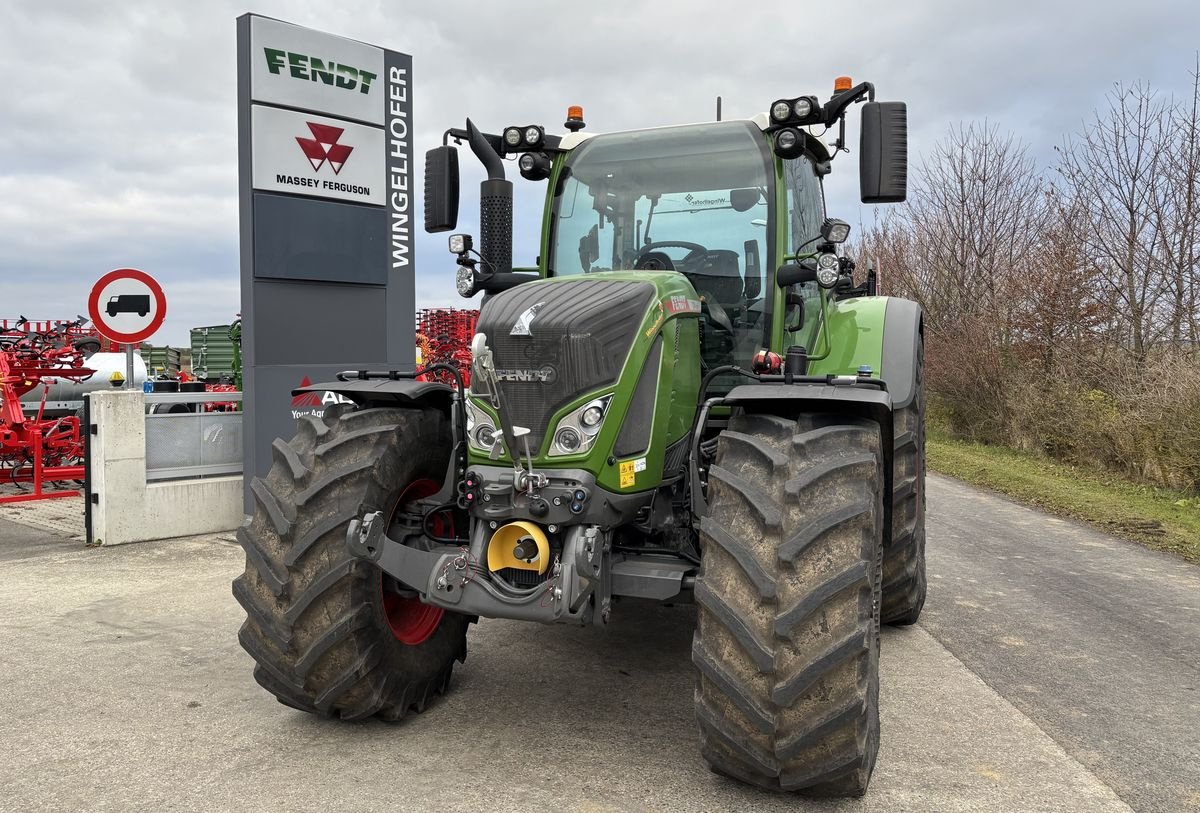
(495, 207)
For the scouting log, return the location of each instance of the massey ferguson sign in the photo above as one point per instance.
(306, 154)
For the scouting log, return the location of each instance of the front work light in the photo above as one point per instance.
(834, 230)
(460, 243)
(534, 166)
(801, 110)
(533, 136)
(513, 136)
(789, 143)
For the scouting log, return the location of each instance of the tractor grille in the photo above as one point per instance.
(578, 338)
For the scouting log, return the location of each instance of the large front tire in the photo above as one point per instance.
(787, 640)
(317, 619)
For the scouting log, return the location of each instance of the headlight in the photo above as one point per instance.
(578, 430)
(592, 416)
(512, 136)
(568, 440)
(485, 437)
(481, 429)
(781, 111)
(828, 270)
(465, 282)
(802, 108)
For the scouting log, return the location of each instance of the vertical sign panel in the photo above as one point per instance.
(325, 175)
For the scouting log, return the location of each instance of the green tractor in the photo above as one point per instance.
(688, 399)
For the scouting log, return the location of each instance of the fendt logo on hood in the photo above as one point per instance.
(525, 321)
(312, 69)
(324, 146)
(544, 375)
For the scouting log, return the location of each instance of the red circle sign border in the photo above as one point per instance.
(160, 300)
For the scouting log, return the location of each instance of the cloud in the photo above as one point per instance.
(120, 136)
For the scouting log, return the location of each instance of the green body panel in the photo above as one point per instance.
(851, 336)
(672, 314)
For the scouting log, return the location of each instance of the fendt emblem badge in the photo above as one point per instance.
(324, 146)
(525, 321)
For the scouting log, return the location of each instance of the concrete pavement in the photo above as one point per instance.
(125, 689)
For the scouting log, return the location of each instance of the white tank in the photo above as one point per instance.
(67, 396)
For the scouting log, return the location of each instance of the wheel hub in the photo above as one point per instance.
(411, 620)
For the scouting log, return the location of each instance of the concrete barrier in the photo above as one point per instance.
(131, 510)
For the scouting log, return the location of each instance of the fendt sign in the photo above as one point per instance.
(327, 256)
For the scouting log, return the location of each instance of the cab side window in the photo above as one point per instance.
(806, 211)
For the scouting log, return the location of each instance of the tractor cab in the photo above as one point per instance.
(696, 200)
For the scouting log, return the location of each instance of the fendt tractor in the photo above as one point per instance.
(689, 399)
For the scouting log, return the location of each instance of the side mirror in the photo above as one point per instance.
(795, 273)
(883, 152)
(441, 189)
(742, 200)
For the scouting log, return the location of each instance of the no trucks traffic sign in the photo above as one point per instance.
(127, 306)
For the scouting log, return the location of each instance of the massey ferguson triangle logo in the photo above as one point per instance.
(324, 146)
(306, 400)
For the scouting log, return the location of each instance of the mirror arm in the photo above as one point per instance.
(836, 106)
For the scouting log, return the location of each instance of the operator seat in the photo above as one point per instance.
(717, 274)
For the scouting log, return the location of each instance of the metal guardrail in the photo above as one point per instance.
(184, 441)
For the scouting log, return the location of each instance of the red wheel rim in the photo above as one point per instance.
(412, 621)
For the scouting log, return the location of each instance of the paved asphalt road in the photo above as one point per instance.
(1055, 669)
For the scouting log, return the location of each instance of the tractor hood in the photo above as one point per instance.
(560, 340)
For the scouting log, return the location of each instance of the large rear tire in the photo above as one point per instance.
(787, 640)
(317, 619)
(904, 581)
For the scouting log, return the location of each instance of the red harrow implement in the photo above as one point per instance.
(37, 450)
(444, 336)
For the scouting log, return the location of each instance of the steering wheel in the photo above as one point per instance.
(651, 258)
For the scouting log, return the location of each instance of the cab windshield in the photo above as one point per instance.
(697, 200)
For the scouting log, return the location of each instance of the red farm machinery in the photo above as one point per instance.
(35, 449)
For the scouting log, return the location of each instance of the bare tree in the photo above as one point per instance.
(1178, 210)
(974, 215)
(1113, 170)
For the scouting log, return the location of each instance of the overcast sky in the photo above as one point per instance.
(118, 120)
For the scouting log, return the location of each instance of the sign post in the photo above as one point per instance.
(127, 306)
(326, 186)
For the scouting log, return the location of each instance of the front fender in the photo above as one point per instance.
(880, 332)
